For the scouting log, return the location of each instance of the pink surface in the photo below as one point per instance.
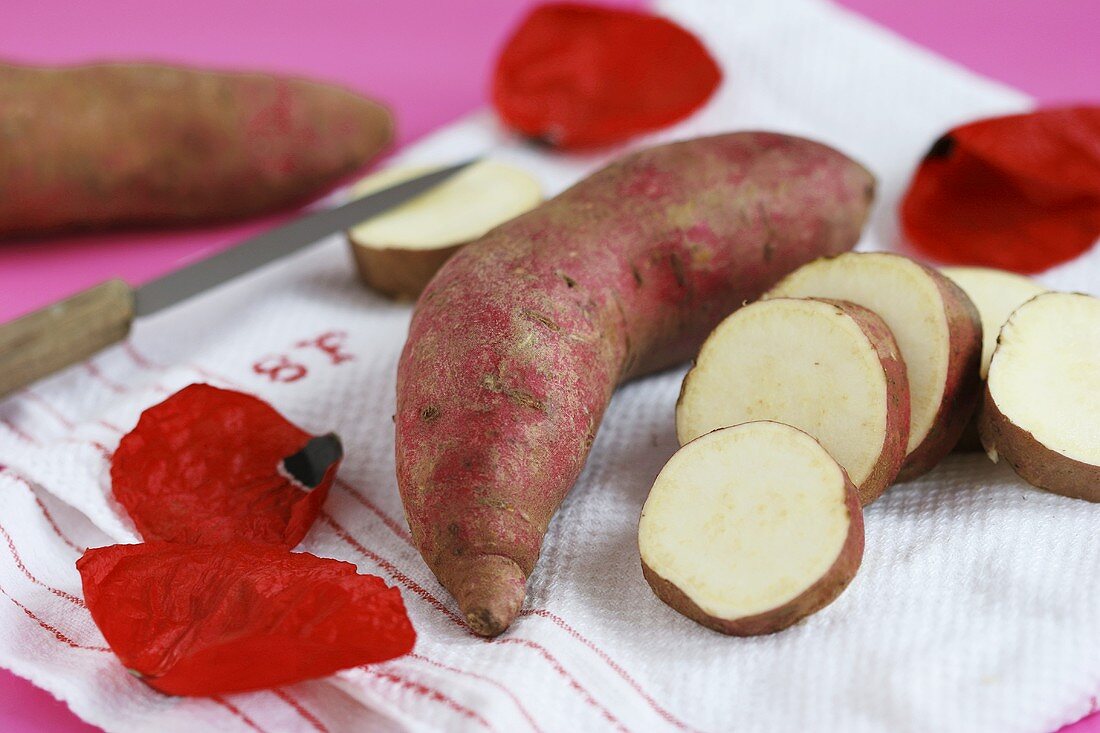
(429, 59)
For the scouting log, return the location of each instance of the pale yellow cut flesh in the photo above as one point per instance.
(747, 519)
(908, 299)
(800, 362)
(995, 293)
(1045, 375)
(459, 210)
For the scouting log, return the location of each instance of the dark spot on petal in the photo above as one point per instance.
(942, 148)
(309, 465)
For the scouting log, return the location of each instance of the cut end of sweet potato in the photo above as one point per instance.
(400, 274)
(489, 590)
(829, 368)
(750, 528)
(400, 250)
(1041, 411)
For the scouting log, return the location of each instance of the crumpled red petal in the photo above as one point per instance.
(1020, 192)
(213, 465)
(576, 75)
(215, 619)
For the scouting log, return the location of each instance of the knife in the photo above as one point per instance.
(62, 334)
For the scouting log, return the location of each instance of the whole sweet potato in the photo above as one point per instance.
(124, 144)
(517, 344)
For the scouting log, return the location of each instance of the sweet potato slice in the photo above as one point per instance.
(995, 293)
(1041, 411)
(750, 528)
(937, 329)
(829, 368)
(399, 251)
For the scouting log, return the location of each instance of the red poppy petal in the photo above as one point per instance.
(575, 75)
(210, 465)
(1020, 193)
(215, 619)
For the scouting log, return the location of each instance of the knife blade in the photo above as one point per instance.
(279, 242)
(73, 329)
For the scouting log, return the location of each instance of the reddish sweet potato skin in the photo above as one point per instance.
(108, 145)
(1031, 460)
(896, 437)
(964, 381)
(517, 344)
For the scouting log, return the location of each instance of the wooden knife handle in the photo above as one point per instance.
(59, 335)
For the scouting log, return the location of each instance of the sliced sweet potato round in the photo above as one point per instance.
(829, 368)
(1041, 411)
(936, 327)
(995, 293)
(750, 528)
(399, 251)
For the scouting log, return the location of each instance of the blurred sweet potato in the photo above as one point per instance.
(108, 145)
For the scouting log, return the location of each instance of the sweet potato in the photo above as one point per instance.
(995, 293)
(828, 367)
(517, 344)
(936, 327)
(398, 251)
(1041, 410)
(126, 144)
(750, 528)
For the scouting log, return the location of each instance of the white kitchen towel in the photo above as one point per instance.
(975, 609)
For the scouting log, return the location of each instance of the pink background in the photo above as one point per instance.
(430, 60)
